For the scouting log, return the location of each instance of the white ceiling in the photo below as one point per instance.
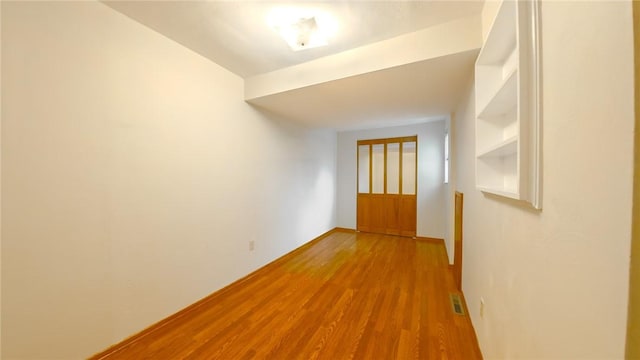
(235, 35)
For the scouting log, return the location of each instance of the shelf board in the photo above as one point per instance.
(499, 191)
(504, 99)
(504, 148)
(501, 39)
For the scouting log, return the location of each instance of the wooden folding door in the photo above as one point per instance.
(387, 186)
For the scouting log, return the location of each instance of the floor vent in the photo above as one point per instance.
(456, 304)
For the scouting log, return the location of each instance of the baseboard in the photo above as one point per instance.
(171, 318)
(341, 229)
(430, 239)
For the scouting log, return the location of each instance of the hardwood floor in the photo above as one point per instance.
(346, 296)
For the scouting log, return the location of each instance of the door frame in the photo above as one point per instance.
(457, 236)
(633, 312)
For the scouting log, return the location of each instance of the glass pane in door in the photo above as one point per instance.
(377, 169)
(409, 168)
(393, 168)
(363, 169)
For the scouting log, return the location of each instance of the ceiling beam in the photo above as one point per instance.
(453, 37)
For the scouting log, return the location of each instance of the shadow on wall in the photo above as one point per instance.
(307, 176)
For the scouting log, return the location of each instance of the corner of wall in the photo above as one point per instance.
(489, 11)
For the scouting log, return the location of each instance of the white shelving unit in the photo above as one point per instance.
(507, 104)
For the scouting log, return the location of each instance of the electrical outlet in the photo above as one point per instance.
(252, 245)
(482, 307)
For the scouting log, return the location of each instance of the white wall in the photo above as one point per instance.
(431, 212)
(555, 282)
(133, 177)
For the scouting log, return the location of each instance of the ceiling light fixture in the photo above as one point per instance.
(302, 28)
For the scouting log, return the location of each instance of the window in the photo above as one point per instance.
(446, 158)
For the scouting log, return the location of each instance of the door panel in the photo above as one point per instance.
(408, 215)
(363, 169)
(371, 213)
(377, 169)
(364, 209)
(392, 212)
(377, 214)
(393, 168)
(409, 168)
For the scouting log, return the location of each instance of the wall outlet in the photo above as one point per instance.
(252, 245)
(481, 307)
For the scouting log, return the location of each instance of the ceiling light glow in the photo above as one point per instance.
(303, 28)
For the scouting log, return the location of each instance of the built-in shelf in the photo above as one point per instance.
(504, 99)
(494, 191)
(504, 148)
(507, 116)
(501, 39)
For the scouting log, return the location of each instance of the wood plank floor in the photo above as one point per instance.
(346, 296)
